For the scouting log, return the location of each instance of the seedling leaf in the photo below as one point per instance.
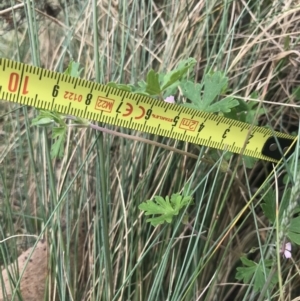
(252, 269)
(269, 205)
(73, 69)
(192, 91)
(224, 105)
(120, 86)
(152, 84)
(166, 208)
(176, 74)
(214, 85)
(295, 224)
(294, 230)
(59, 137)
(294, 237)
(42, 121)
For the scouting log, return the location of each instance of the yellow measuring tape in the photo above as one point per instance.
(44, 89)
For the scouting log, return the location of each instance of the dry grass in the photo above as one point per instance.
(255, 43)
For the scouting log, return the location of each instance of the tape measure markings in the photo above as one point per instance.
(49, 90)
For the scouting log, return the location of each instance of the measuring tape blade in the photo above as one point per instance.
(47, 90)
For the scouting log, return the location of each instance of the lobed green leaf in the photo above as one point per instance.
(167, 208)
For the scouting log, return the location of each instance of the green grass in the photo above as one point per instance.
(91, 196)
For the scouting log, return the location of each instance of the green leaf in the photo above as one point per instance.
(285, 202)
(73, 69)
(152, 83)
(269, 204)
(141, 88)
(251, 270)
(81, 121)
(247, 262)
(224, 105)
(192, 91)
(249, 161)
(142, 84)
(120, 86)
(214, 85)
(253, 110)
(294, 237)
(233, 114)
(296, 210)
(45, 116)
(177, 74)
(55, 116)
(59, 136)
(42, 121)
(242, 107)
(295, 224)
(158, 206)
(239, 112)
(245, 273)
(166, 208)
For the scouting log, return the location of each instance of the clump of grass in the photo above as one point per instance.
(102, 179)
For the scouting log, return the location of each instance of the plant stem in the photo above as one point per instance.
(103, 175)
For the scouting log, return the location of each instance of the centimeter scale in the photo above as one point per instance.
(47, 90)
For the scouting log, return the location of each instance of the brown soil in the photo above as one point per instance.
(34, 262)
(34, 278)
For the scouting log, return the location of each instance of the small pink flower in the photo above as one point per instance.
(287, 252)
(170, 99)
